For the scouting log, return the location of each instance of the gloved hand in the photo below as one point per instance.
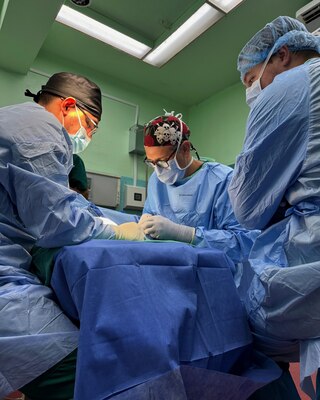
(128, 231)
(159, 227)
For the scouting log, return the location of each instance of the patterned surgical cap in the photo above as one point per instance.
(166, 130)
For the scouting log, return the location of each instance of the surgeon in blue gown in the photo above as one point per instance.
(188, 201)
(37, 140)
(276, 188)
(187, 198)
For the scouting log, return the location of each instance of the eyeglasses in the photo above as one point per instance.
(90, 122)
(92, 125)
(159, 163)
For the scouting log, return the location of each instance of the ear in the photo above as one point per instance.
(68, 103)
(185, 146)
(284, 55)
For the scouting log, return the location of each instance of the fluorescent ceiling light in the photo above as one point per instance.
(225, 5)
(89, 26)
(200, 21)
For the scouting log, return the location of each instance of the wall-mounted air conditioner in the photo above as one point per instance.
(310, 16)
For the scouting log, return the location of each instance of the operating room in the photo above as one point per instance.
(194, 83)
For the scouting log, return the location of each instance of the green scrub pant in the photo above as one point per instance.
(55, 384)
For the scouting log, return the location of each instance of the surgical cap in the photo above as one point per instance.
(166, 130)
(281, 31)
(66, 84)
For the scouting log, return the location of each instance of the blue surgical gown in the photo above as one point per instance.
(280, 163)
(202, 201)
(36, 207)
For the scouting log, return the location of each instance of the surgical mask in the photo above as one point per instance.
(173, 173)
(253, 92)
(80, 139)
(255, 89)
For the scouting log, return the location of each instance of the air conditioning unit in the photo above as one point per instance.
(310, 16)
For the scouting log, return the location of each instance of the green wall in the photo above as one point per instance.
(123, 106)
(218, 124)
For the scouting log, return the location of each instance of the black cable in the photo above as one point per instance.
(192, 148)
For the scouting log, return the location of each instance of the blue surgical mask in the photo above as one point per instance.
(80, 139)
(173, 173)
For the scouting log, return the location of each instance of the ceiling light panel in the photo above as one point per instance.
(104, 33)
(225, 5)
(199, 22)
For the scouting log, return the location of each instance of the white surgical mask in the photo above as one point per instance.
(80, 139)
(173, 173)
(255, 89)
(253, 92)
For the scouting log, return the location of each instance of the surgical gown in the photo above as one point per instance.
(202, 201)
(36, 207)
(280, 164)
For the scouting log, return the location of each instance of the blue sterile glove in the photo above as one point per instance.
(158, 227)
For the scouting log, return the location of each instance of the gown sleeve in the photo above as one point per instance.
(49, 211)
(227, 235)
(274, 149)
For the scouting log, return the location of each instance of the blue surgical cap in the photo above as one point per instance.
(281, 31)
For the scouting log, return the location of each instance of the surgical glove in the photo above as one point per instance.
(128, 231)
(159, 227)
